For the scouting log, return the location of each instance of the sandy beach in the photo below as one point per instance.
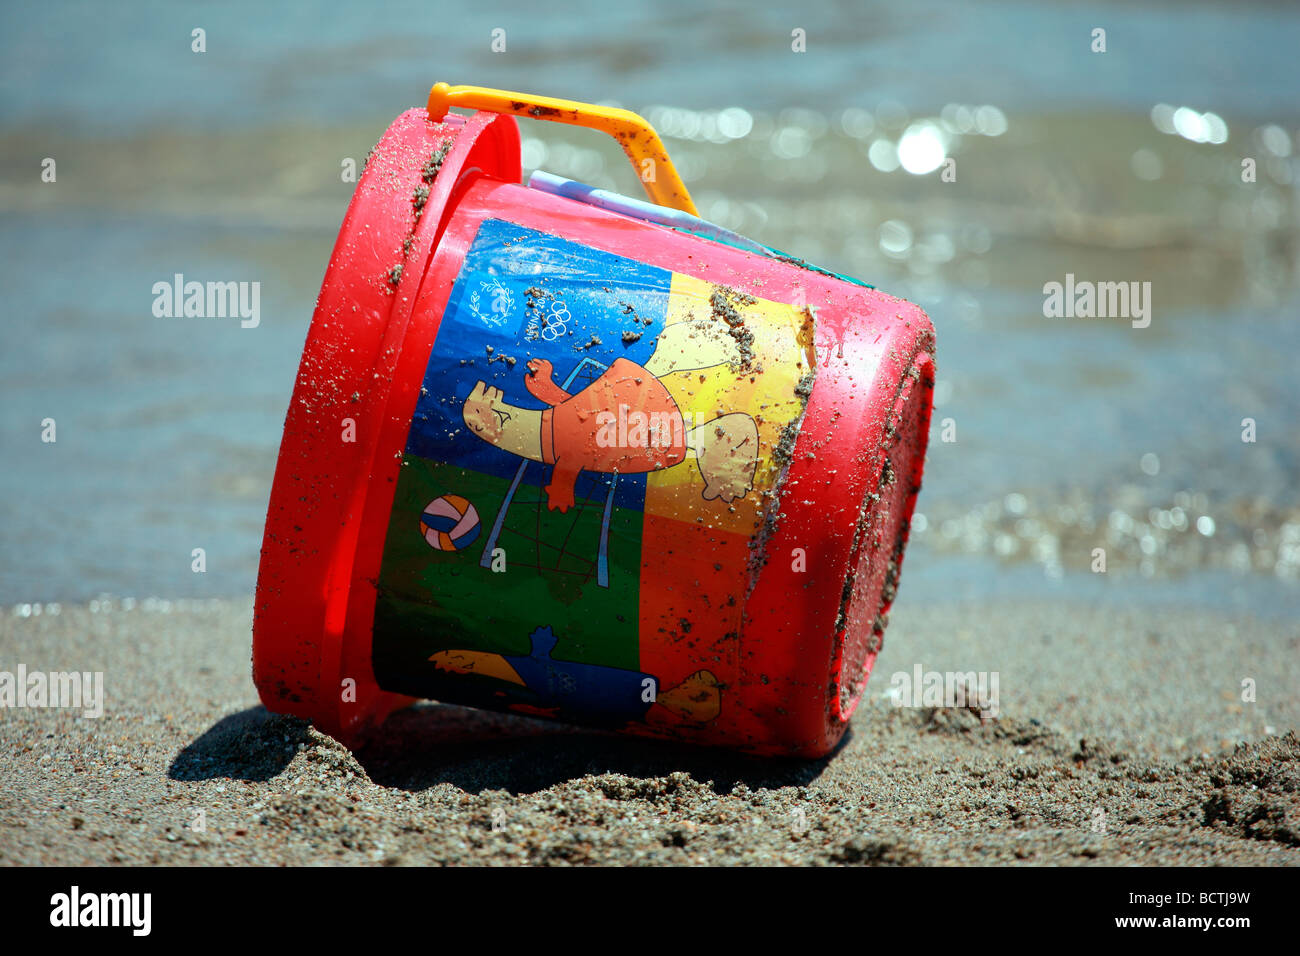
(1110, 517)
(1119, 740)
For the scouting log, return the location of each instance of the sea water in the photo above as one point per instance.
(965, 157)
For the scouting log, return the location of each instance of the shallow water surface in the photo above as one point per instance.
(1069, 434)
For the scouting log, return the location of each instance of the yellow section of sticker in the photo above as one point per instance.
(732, 363)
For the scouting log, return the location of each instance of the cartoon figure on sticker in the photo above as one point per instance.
(576, 691)
(624, 422)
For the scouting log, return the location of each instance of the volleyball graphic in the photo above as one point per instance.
(449, 523)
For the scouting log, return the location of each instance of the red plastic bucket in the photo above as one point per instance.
(558, 459)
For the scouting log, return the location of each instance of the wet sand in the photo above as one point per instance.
(1121, 739)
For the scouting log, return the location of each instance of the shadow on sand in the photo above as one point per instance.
(475, 750)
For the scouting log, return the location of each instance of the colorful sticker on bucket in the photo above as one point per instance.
(586, 469)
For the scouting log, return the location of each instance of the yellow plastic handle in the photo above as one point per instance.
(634, 134)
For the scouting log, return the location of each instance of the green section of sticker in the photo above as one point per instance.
(544, 571)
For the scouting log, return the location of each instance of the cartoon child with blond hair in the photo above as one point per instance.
(626, 421)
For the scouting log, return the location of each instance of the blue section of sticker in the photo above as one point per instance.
(522, 295)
